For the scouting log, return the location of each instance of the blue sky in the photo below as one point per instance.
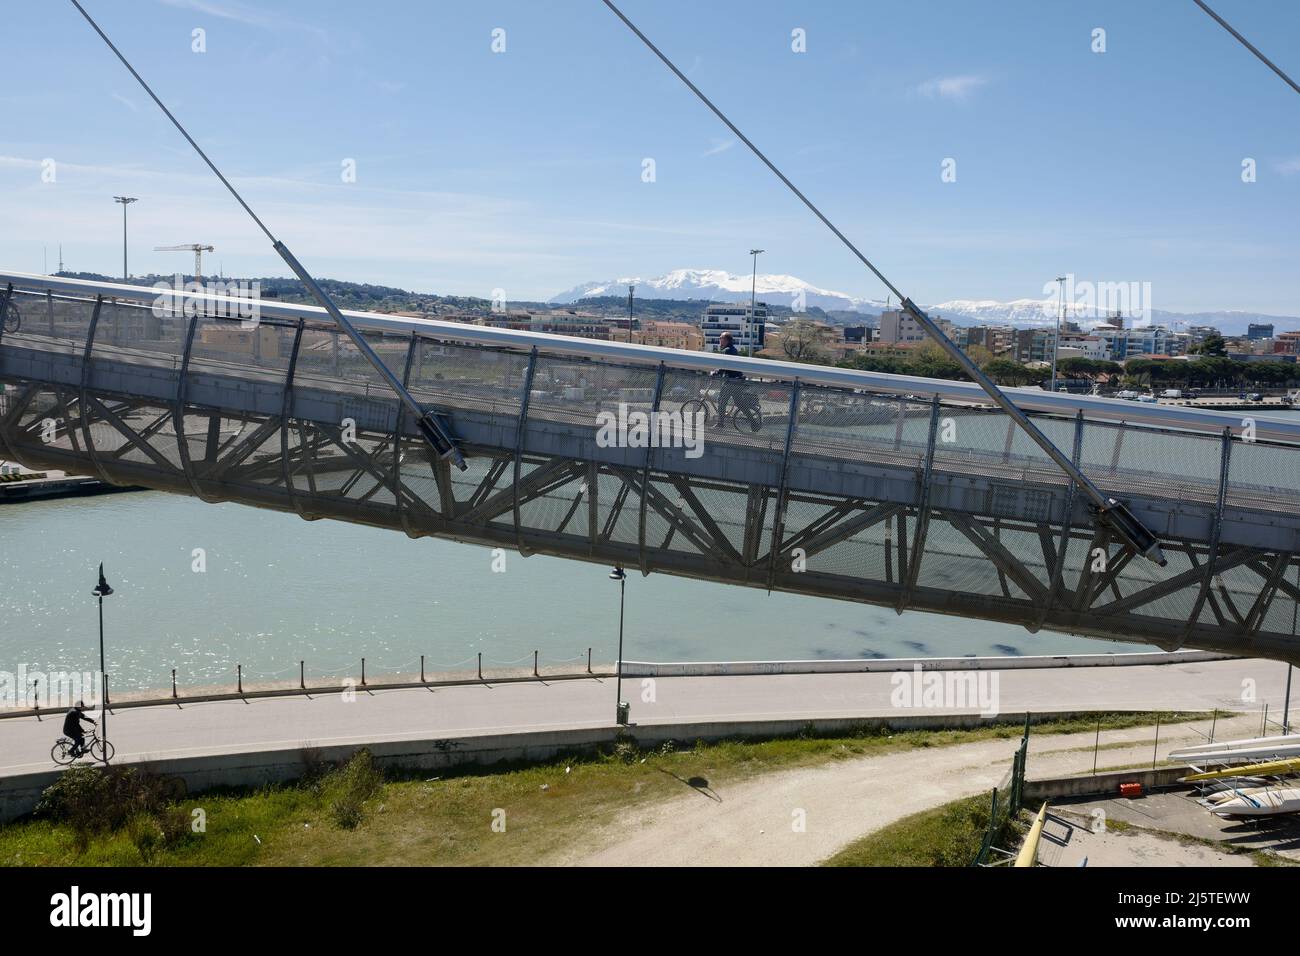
(523, 170)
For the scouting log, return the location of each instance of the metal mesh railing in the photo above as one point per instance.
(777, 460)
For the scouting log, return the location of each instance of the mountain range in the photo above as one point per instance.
(715, 285)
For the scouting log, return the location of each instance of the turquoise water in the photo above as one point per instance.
(278, 589)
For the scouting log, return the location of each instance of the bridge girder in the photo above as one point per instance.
(855, 503)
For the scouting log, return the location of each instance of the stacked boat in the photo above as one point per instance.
(1246, 778)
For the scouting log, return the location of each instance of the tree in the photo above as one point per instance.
(1212, 344)
(799, 342)
(1009, 372)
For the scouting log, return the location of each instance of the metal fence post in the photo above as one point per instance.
(589, 660)
(1155, 750)
(239, 677)
(480, 665)
(363, 672)
(535, 674)
(1096, 745)
(173, 683)
(421, 668)
(302, 676)
(988, 833)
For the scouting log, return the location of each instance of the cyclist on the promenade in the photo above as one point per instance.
(72, 728)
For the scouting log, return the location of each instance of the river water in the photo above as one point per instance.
(277, 589)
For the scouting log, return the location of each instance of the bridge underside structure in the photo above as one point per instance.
(895, 491)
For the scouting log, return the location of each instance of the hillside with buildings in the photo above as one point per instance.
(1108, 352)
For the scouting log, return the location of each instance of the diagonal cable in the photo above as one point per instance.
(428, 423)
(1248, 45)
(1114, 512)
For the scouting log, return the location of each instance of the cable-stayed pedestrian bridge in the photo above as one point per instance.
(891, 490)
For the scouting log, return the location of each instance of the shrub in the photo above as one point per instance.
(347, 788)
(94, 799)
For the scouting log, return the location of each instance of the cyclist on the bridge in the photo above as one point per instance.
(72, 728)
(732, 390)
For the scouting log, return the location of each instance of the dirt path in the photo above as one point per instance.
(753, 823)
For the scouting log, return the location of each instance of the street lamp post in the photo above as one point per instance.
(1286, 704)
(102, 590)
(125, 201)
(753, 289)
(630, 290)
(621, 711)
(1056, 338)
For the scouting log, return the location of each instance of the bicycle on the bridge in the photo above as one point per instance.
(745, 415)
(10, 318)
(65, 751)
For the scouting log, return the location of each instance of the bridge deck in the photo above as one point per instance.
(895, 491)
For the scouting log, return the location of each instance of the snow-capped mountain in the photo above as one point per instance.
(715, 285)
(1023, 313)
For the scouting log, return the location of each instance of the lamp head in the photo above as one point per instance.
(102, 590)
(617, 574)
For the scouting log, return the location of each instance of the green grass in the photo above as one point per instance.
(949, 836)
(350, 818)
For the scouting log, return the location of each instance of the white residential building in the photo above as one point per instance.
(747, 331)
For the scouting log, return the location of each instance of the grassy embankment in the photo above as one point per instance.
(356, 815)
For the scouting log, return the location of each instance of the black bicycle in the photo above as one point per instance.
(64, 751)
(746, 414)
(10, 317)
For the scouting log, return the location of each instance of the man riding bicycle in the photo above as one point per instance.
(732, 389)
(72, 728)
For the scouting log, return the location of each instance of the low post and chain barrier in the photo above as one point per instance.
(278, 683)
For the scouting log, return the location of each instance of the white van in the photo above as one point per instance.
(1172, 393)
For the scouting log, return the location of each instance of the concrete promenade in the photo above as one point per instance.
(239, 726)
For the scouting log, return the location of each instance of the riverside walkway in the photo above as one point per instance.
(258, 724)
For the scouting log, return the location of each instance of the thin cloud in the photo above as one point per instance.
(957, 88)
(126, 102)
(248, 15)
(719, 146)
(225, 11)
(1288, 167)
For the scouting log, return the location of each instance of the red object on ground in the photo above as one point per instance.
(1130, 790)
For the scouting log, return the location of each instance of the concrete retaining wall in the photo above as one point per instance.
(741, 668)
(1102, 784)
(19, 793)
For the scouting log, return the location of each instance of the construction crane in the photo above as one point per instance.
(197, 248)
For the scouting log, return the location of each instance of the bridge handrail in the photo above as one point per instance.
(1030, 399)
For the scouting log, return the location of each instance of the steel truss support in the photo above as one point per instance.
(1058, 563)
(85, 391)
(645, 470)
(1211, 558)
(922, 512)
(778, 513)
(519, 444)
(996, 552)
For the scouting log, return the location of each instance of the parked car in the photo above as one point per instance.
(1254, 397)
(1148, 399)
(1172, 393)
(1128, 395)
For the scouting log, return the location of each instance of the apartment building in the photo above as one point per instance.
(747, 330)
